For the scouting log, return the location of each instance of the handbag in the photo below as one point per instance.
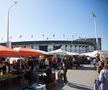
(97, 84)
(62, 71)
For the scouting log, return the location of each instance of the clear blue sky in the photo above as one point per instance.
(65, 19)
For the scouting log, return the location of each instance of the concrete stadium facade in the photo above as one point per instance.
(79, 45)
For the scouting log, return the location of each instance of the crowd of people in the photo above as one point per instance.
(29, 66)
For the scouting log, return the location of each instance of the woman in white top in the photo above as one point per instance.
(46, 62)
(103, 77)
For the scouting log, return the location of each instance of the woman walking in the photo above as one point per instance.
(63, 69)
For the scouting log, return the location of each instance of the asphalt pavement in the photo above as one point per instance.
(79, 79)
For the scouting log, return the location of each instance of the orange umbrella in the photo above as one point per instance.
(27, 52)
(6, 52)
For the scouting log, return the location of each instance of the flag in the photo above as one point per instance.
(20, 36)
(43, 35)
(63, 35)
(93, 14)
(2, 38)
(47, 38)
(79, 37)
(72, 36)
(16, 2)
(32, 36)
(53, 35)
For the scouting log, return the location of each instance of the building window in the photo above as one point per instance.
(32, 46)
(56, 47)
(44, 48)
(66, 47)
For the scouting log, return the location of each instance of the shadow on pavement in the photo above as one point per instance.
(84, 67)
(78, 86)
(59, 85)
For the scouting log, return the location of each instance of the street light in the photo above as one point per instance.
(97, 43)
(8, 41)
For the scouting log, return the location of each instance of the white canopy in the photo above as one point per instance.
(72, 53)
(41, 51)
(57, 52)
(91, 54)
(11, 59)
(103, 54)
(62, 52)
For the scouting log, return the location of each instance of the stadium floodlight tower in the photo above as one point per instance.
(95, 25)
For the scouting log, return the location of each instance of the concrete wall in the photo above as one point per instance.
(71, 48)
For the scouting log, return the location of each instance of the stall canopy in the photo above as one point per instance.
(91, 54)
(7, 52)
(27, 52)
(57, 52)
(101, 53)
(72, 53)
(62, 52)
(43, 52)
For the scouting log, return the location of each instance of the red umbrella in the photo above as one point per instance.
(7, 52)
(27, 52)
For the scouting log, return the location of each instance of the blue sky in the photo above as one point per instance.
(65, 19)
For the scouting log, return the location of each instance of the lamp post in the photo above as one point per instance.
(8, 41)
(97, 43)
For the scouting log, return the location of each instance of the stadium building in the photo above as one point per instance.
(79, 45)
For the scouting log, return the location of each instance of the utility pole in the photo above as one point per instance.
(8, 41)
(95, 25)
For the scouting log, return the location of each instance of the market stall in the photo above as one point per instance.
(57, 52)
(101, 53)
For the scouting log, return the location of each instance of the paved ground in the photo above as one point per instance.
(81, 79)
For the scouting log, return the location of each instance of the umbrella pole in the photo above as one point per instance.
(20, 63)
